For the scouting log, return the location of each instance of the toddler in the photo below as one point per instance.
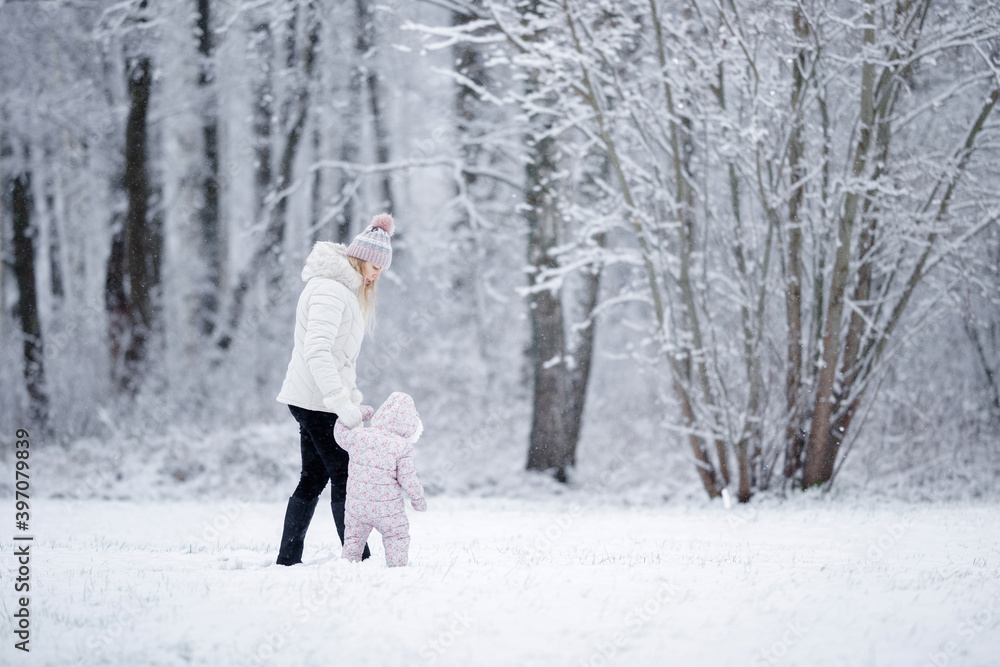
(381, 467)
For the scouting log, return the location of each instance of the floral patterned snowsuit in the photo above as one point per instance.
(381, 468)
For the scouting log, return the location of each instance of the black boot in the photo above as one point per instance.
(338, 518)
(298, 514)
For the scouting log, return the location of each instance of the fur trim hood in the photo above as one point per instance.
(329, 260)
(399, 415)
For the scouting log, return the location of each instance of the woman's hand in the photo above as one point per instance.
(351, 416)
(341, 405)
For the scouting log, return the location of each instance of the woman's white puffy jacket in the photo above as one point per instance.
(329, 329)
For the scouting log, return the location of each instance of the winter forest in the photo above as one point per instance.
(738, 258)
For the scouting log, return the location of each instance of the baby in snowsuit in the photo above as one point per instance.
(381, 467)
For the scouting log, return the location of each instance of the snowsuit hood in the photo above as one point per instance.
(399, 415)
(329, 260)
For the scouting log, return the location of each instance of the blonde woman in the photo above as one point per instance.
(335, 309)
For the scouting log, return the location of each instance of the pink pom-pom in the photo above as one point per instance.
(384, 222)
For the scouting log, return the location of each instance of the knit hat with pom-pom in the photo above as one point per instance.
(373, 244)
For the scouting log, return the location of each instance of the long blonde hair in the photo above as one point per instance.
(366, 296)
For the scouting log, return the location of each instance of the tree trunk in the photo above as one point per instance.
(582, 356)
(680, 369)
(467, 279)
(561, 375)
(794, 435)
(23, 251)
(263, 113)
(262, 130)
(821, 450)
(133, 268)
(316, 191)
(748, 446)
(986, 344)
(52, 220)
(749, 440)
(294, 125)
(549, 449)
(349, 152)
(208, 211)
(365, 48)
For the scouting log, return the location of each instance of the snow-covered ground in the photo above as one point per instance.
(810, 581)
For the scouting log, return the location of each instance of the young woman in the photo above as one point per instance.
(334, 311)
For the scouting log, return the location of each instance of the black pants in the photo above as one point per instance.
(322, 458)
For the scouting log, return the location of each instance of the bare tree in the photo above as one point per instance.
(548, 447)
(366, 70)
(752, 162)
(978, 295)
(563, 290)
(480, 209)
(208, 206)
(20, 198)
(134, 264)
(300, 49)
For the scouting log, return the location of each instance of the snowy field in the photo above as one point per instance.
(817, 581)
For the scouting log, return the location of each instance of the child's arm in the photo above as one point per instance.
(406, 473)
(342, 435)
(341, 432)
